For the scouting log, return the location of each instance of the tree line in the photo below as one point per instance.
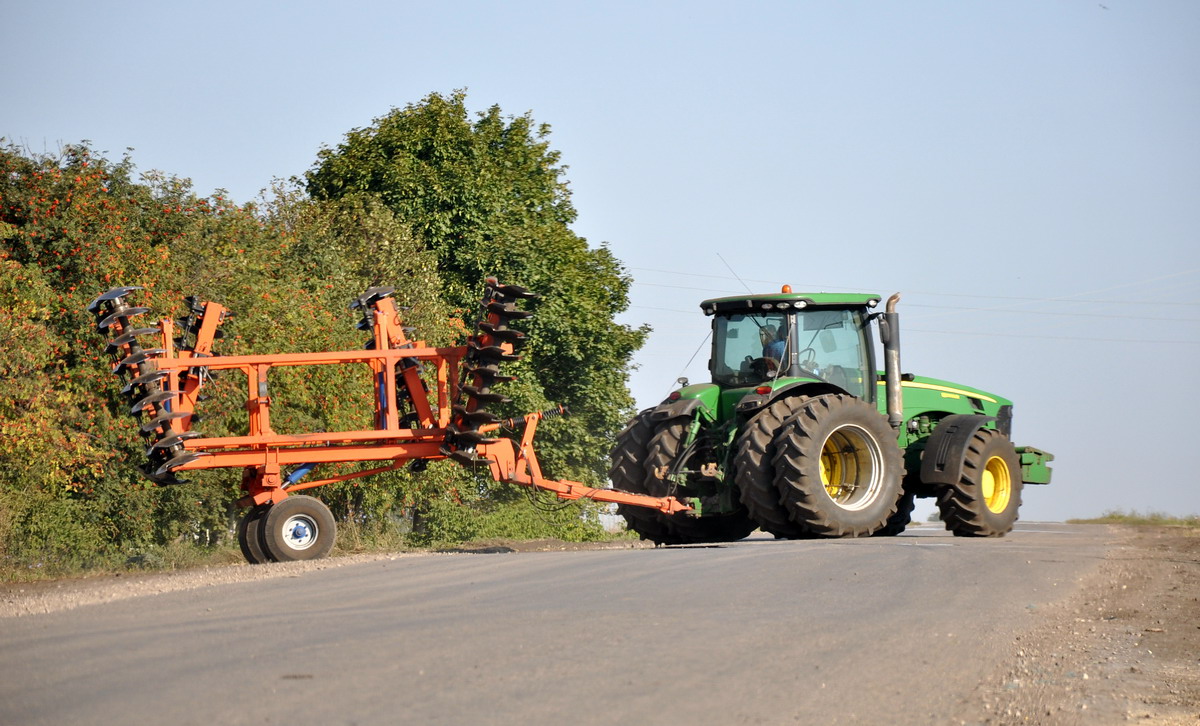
(429, 198)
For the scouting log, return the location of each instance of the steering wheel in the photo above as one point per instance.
(837, 376)
(807, 358)
(763, 367)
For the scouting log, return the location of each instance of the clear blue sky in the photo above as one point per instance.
(1027, 173)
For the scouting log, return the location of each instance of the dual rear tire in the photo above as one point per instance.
(643, 451)
(821, 466)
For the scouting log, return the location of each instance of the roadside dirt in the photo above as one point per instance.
(47, 596)
(1124, 649)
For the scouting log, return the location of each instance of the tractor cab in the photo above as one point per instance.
(762, 339)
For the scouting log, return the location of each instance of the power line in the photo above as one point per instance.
(1067, 299)
(1109, 316)
(1051, 312)
(978, 334)
(960, 308)
(669, 310)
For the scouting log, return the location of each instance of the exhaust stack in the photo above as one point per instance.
(889, 333)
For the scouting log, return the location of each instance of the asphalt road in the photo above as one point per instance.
(889, 631)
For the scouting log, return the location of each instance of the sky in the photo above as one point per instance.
(1026, 173)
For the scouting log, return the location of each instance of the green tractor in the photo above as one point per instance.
(799, 435)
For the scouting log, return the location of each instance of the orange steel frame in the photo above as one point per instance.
(262, 453)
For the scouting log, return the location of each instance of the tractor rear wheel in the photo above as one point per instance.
(985, 500)
(628, 474)
(298, 528)
(754, 474)
(249, 534)
(837, 467)
(663, 451)
(899, 521)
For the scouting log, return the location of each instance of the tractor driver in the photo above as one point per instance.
(773, 345)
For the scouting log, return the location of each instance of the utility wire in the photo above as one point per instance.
(1051, 312)
(978, 334)
(1067, 299)
(960, 308)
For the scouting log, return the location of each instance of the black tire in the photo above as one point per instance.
(663, 449)
(628, 474)
(754, 474)
(298, 528)
(249, 534)
(837, 467)
(899, 521)
(985, 500)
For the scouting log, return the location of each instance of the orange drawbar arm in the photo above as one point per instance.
(521, 467)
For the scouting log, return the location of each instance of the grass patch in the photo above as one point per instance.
(175, 555)
(1151, 519)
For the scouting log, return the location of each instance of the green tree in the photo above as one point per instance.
(74, 224)
(488, 196)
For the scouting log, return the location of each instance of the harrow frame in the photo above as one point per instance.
(452, 421)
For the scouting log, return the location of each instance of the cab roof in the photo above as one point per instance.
(788, 301)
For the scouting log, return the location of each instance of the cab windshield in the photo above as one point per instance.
(747, 349)
(833, 346)
(830, 345)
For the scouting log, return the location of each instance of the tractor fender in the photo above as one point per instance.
(942, 461)
(673, 409)
(750, 404)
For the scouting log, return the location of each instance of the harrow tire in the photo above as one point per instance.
(754, 474)
(899, 521)
(249, 534)
(662, 451)
(838, 468)
(298, 528)
(628, 474)
(985, 500)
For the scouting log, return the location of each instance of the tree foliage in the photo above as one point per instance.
(425, 200)
(488, 196)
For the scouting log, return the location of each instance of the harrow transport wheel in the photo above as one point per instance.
(298, 528)
(754, 474)
(985, 500)
(838, 468)
(663, 451)
(899, 521)
(249, 534)
(629, 475)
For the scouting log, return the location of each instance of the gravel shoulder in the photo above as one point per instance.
(49, 596)
(1124, 649)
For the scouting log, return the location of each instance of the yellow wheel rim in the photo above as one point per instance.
(851, 467)
(831, 470)
(996, 485)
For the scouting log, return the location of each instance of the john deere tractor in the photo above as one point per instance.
(799, 435)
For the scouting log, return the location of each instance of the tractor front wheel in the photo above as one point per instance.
(838, 468)
(985, 500)
(298, 528)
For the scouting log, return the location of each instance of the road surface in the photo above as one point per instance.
(884, 630)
